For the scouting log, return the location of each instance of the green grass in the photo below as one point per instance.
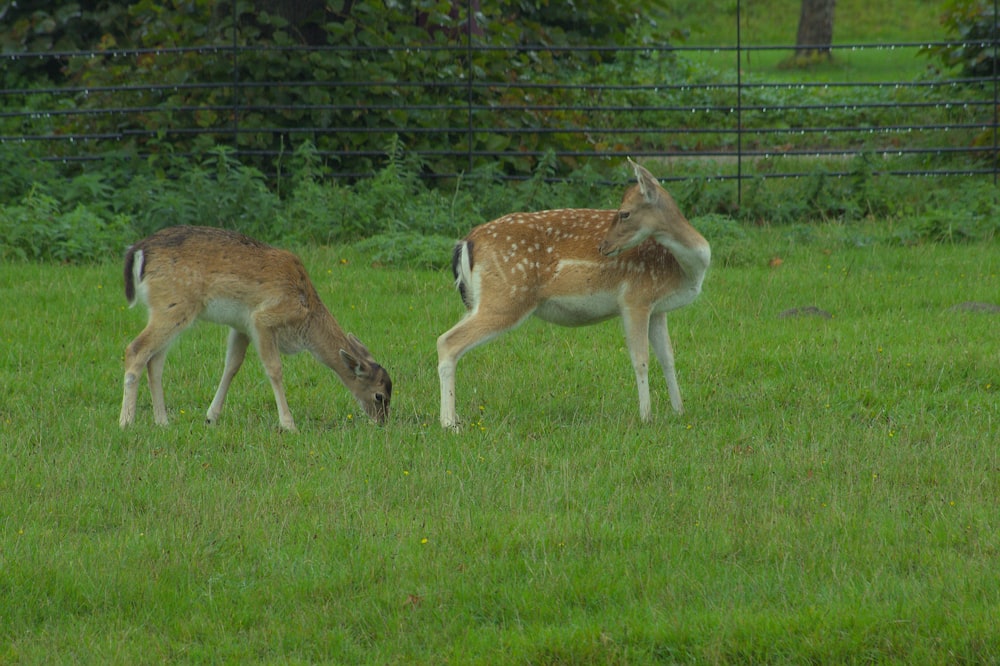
(775, 23)
(830, 496)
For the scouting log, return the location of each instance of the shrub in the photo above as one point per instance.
(408, 249)
(216, 191)
(39, 229)
(731, 245)
(971, 26)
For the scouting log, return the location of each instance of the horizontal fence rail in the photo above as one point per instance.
(720, 123)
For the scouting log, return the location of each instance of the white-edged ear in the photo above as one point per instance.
(648, 185)
(359, 367)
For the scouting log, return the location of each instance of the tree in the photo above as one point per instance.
(815, 34)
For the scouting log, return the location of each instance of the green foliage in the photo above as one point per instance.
(730, 241)
(585, 20)
(217, 191)
(972, 24)
(36, 26)
(412, 61)
(977, 220)
(398, 219)
(408, 249)
(971, 27)
(835, 190)
(41, 228)
(21, 172)
(378, 43)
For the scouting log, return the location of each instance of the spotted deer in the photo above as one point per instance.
(262, 293)
(574, 267)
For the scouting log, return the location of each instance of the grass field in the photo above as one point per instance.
(830, 495)
(774, 23)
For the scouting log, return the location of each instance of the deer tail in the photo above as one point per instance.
(461, 268)
(134, 265)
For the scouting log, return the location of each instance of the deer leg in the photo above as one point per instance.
(637, 338)
(475, 329)
(659, 337)
(129, 399)
(154, 372)
(236, 349)
(148, 352)
(270, 356)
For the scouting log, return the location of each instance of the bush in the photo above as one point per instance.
(408, 249)
(972, 24)
(972, 217)
(38, 229)
(394, 218)
(173, 61)
(731, 245)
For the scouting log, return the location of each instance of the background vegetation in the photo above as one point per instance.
(64, 211)
(157, 81)
(168, 59)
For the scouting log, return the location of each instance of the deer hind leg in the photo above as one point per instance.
(149, 352)
(475, 329)
(270, 356)
(637, 331)
(660, 339)
(131, 396)
(154, 372)
(236, 350)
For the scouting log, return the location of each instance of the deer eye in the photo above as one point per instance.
(623, 214)
(379, 397)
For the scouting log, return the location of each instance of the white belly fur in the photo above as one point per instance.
(228, 313)
(578, 310)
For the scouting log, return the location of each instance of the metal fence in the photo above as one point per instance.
(713, 121)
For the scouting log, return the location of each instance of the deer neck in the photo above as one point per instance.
(688, 247)
(324, 339)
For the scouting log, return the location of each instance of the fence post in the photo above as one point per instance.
(739, 109)
(468, 76)
(236, 82)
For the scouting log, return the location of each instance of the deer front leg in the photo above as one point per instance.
(637, 338)
(267, 347)
(659, 337)
(450, 347)
(236, 349)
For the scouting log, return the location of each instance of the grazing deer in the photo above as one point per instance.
(264, 294)
(576, 267)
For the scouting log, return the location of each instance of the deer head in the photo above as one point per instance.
(646, 209)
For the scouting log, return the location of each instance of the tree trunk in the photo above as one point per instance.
(815, 30)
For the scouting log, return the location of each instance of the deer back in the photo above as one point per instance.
(558, 252)
(205, 264)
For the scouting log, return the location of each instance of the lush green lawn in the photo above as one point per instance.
(774, 23)
(831, 494)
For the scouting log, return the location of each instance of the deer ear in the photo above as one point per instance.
(358, 348)
(359, 367)
(648, 185)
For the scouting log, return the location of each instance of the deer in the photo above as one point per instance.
(575, 267)
(263, 294)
